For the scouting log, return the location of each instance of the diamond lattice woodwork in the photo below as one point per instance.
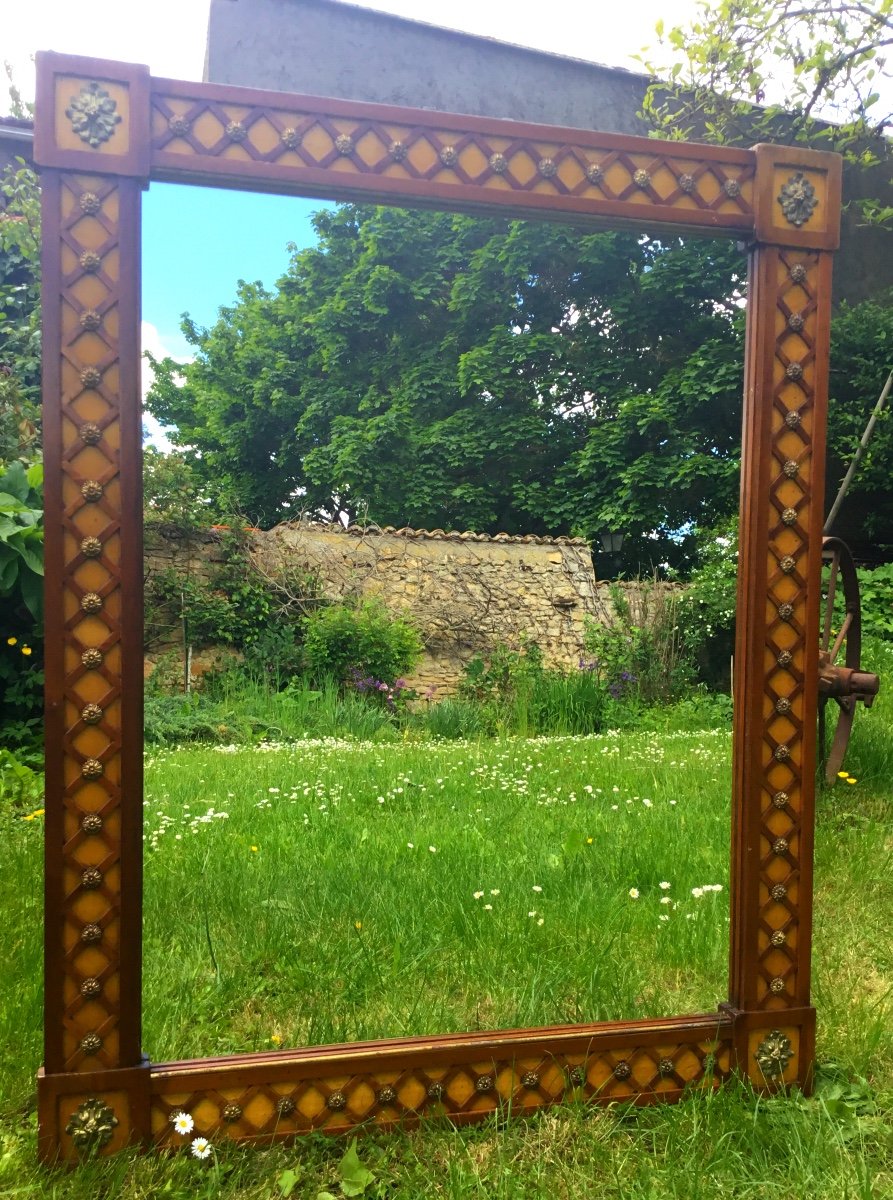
(270, 1103)
(374, 150)
(90, 938)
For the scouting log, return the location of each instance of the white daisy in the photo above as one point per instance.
(201, 1148)
(183, 1123)
(634, 893)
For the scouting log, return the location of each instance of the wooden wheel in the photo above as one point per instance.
(842, 683)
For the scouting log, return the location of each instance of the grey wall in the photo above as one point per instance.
(328, 48)
(331, 48)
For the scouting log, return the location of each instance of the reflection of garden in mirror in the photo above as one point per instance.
(404, 785)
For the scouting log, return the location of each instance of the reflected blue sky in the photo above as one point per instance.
(198, 242)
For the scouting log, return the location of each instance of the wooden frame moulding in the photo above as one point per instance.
(103, 131)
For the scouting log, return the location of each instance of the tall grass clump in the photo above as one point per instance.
(515, 694)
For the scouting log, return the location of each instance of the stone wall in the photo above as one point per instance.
(466, 592)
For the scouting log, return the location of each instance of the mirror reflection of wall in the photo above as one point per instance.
(431, 707)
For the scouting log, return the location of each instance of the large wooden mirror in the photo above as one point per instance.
(104, 130)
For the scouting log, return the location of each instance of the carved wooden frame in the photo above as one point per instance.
(103, 130)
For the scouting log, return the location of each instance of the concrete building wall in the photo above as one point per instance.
(328, 48)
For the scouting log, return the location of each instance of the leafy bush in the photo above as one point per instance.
(707, 605)
(172, 720)
(362, 637)
(876, 596)
(21, 786)
(237, 709)
(641, 654)
(21, 600)
(19, 314)
(21, 536)
(21, 695)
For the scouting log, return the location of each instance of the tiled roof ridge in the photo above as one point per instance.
(442, 535)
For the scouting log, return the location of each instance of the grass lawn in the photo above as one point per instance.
(372, 889)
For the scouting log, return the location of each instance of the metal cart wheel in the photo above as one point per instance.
(842, 682)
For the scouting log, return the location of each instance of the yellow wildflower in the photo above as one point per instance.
(850, 779)
(842, 774)
(276, 1039)
(358, 925)
(254, 848)
(26, 650)
(11, 641)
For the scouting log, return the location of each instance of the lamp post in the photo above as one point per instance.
(612, 544)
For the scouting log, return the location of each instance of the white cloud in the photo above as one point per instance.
(114, 30)
(154, 433)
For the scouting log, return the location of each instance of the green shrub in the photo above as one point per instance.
(876, 596)
(708, 602)
(21, 603)
(21, 786)
(641, 654)
(363, 638)
(500, 685)
(237, 709)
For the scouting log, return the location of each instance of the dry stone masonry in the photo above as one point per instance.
(466, 592)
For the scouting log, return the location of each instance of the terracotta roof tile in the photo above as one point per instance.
(451, 535)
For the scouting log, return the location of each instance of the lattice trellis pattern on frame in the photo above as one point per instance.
(88, 432)
(621, 176)
(266, 1102)
(103, 130)
(791, 598)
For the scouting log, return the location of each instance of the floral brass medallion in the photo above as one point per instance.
(92, 1124)
(774, 1053)
(798, 199)
(92, 114)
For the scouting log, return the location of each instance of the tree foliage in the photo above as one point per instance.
(861, 358)
(447, 371)
(19, 313)
(21, 472)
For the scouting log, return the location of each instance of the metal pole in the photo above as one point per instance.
(859, 455)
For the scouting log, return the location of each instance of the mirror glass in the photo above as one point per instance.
(438, 730)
